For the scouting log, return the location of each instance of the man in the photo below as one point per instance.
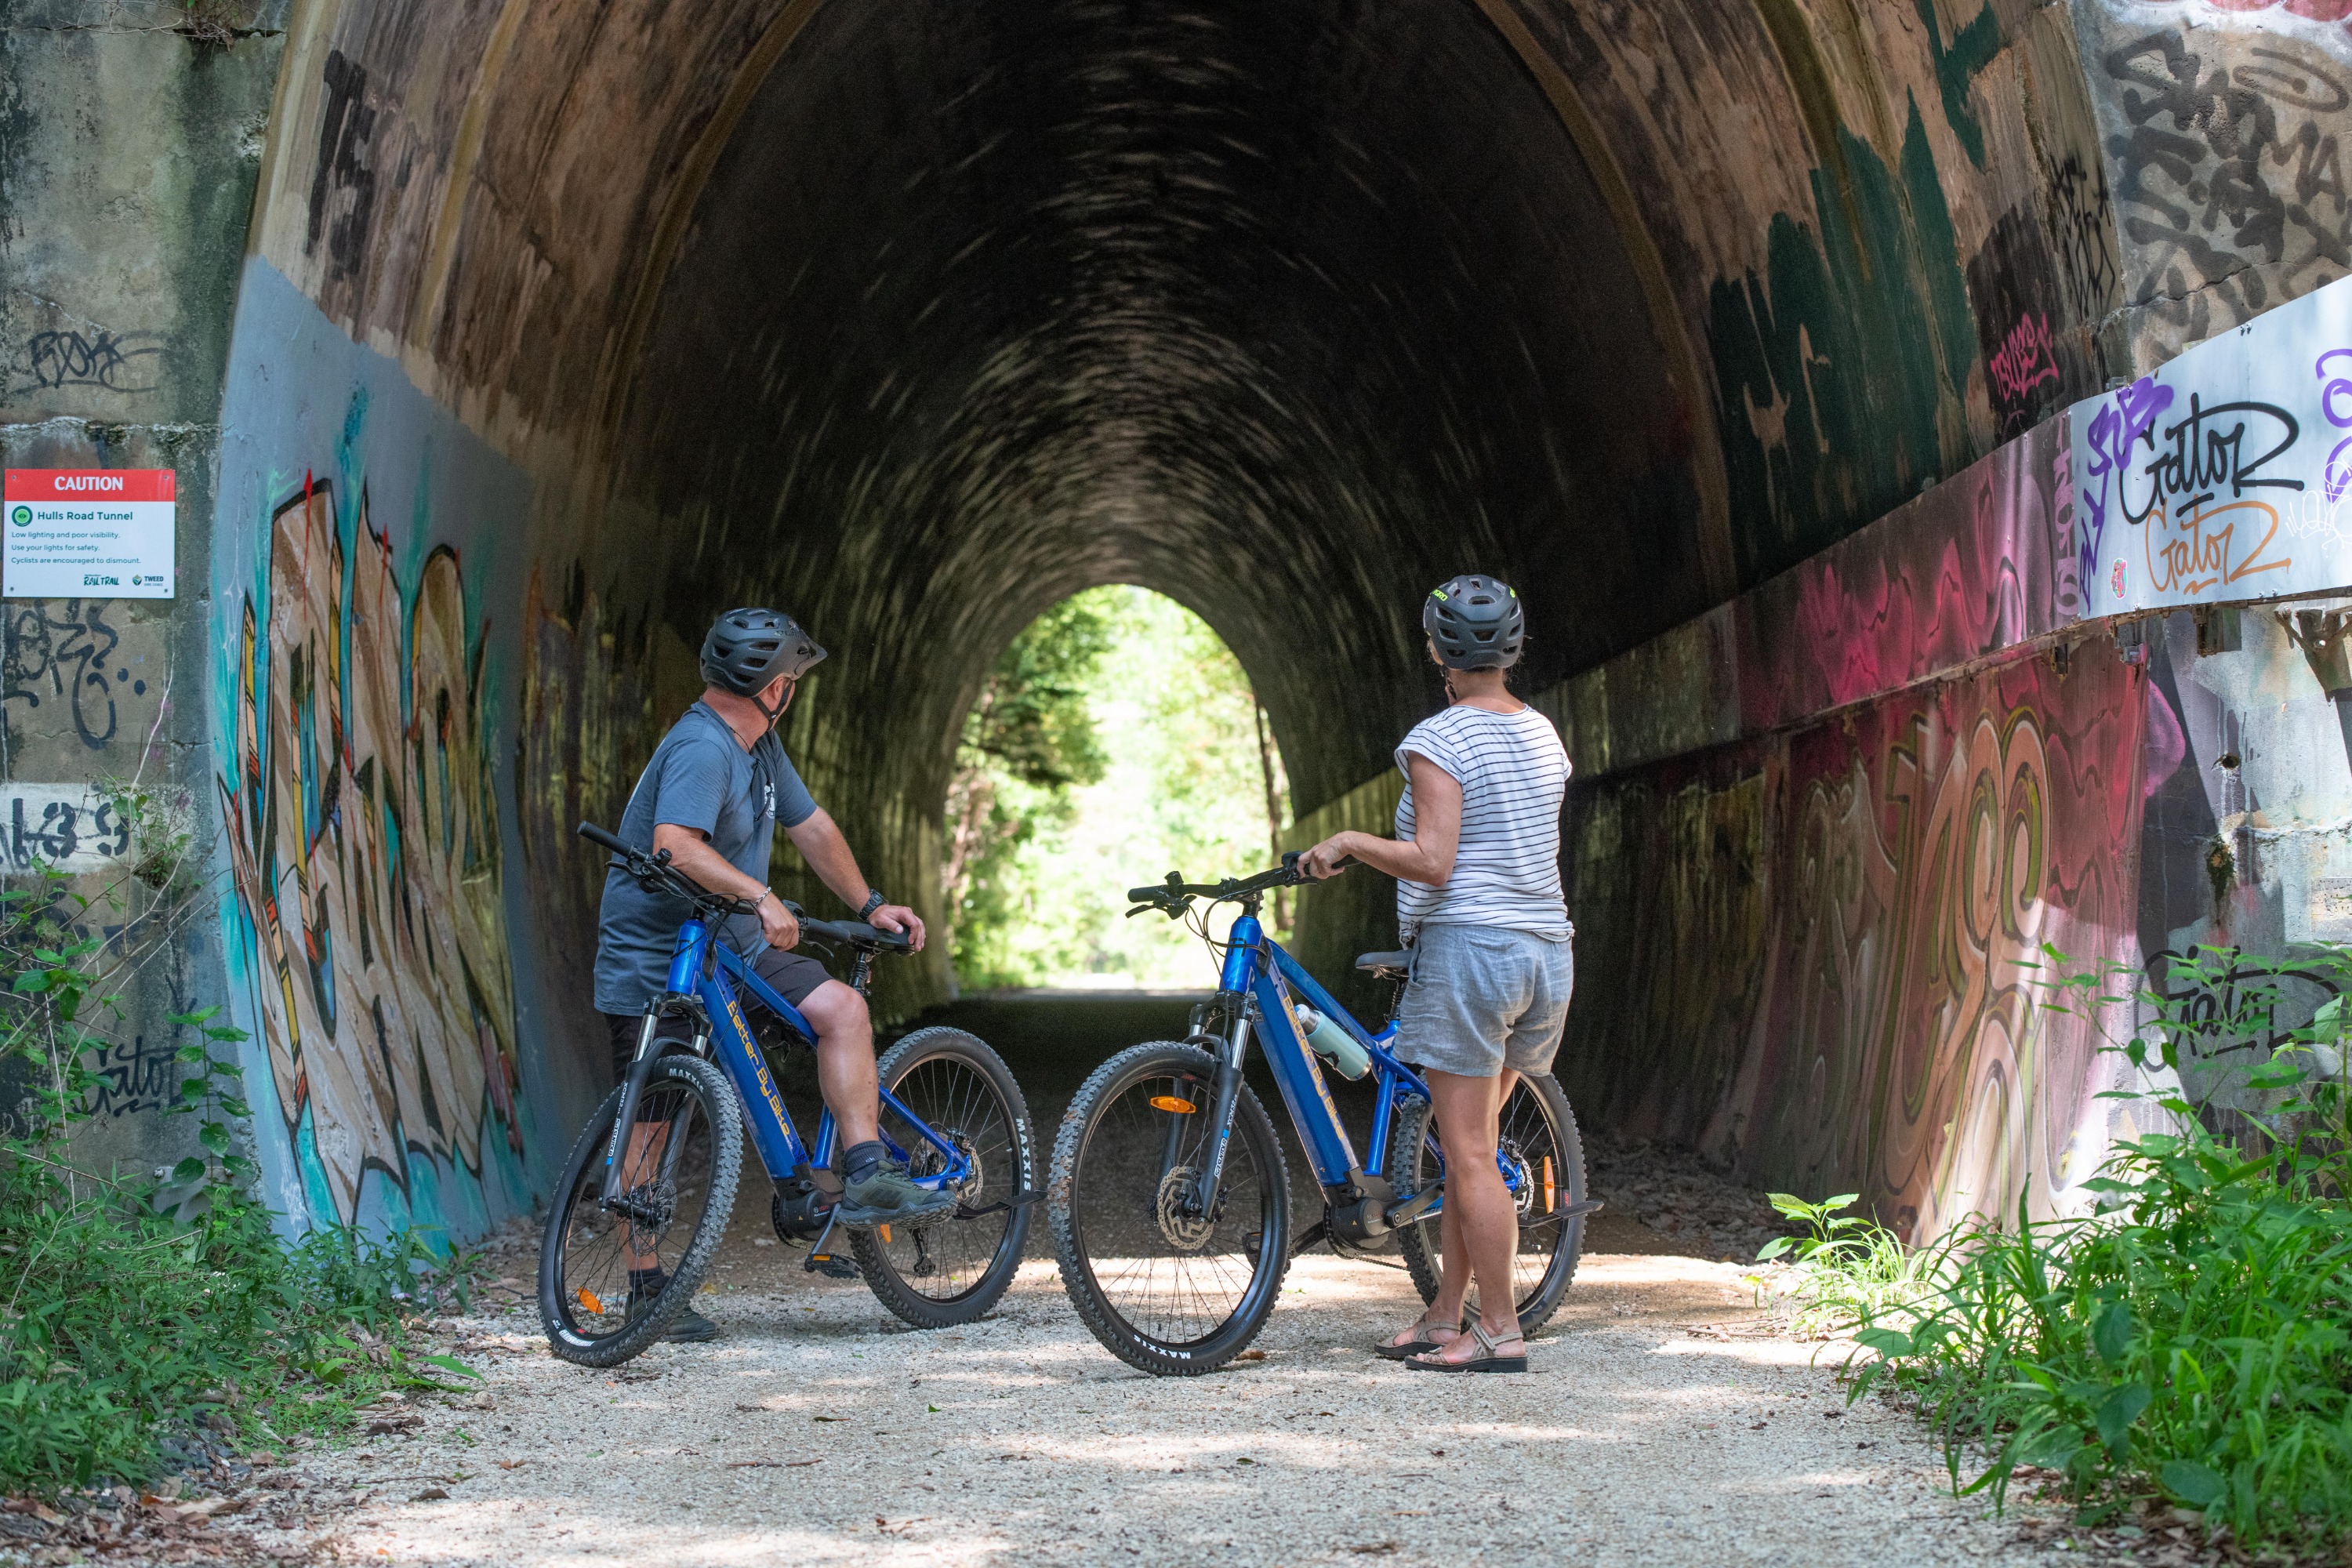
(1477, 858)
(718, 786)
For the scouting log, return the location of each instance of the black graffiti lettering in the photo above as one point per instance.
(2223, 166)
(2222, 1005)
(133, 1078)
(2081, 218)
(70, 655)
(63, 831)
(2294, 81)
(344, 130)
(2204, 457)
(109, 359)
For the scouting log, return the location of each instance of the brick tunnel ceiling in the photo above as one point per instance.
(1289, 312)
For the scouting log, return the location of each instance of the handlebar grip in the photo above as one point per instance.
(1151, 895)
(598, 836)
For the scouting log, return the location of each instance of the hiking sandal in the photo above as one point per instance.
(1420, 1344)
(1488, 1358)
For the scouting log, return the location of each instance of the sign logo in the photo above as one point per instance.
(21, 516)
(2119, 580)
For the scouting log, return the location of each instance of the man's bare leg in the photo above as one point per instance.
(844, 1061)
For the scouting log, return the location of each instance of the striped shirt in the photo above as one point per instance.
(1514, 772)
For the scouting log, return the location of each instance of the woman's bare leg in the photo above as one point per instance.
(1481, 1223)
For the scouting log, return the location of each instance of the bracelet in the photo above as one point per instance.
(873, 901)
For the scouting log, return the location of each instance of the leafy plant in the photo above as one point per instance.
(2192, 1340)
(1847, 1268)
(137, 1316)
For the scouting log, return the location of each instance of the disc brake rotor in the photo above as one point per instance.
(1185, 1232)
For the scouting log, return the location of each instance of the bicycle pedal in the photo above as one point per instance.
(831, 1265)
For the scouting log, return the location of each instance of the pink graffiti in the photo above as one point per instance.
(2026, 360)
(2309, 10)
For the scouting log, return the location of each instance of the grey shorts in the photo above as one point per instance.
(1483, 998)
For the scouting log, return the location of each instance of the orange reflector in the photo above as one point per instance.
(884, 1232)
(588, 1299)
(1546, 1179)
(1169, 1102)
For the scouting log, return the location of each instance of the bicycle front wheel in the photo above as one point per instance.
(953, 1270)
(683, 1155)
(1166, 1284)
(1542, 1157)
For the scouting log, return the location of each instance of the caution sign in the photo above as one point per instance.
(88, 533)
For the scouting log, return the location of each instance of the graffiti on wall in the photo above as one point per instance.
(365, 851)
(2223, 475)
(2225, 144)
(1981, 563)
(1865, 896)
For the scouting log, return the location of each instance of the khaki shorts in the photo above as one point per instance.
(1483, 998)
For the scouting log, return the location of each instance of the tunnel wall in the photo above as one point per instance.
(1842, 252)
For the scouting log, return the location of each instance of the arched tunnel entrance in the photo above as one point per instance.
(1784, 360)
(979, 309)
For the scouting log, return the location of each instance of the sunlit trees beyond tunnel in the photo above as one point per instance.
(1116, 740)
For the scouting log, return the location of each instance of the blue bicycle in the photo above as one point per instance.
(1168, 1197)
(649, 1186)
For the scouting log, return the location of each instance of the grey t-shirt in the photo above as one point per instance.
(700, 777)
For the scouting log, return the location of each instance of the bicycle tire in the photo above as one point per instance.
(1006, 1167)
(1083, 1199)
(1419, 1242)
(684, 1082)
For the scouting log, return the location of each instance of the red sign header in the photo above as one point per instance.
(91, 484)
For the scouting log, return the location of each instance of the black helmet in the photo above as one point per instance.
(1476, 623)
(748, 649)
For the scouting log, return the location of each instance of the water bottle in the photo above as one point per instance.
(1333, 1044)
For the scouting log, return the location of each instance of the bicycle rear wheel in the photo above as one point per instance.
(1544, 1155)
(953, 1270)
(685, 1155)
(1172, 1292)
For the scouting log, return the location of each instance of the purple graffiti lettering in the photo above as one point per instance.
(2335, 476)
(2129, 416)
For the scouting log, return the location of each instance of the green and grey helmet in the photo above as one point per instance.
(748, 649)
(1475, 623)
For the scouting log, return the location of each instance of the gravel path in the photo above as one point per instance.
(1662, 1425)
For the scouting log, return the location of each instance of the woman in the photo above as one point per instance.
(1477, 858)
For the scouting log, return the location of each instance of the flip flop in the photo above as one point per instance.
(1420, 1344)
(1488, 1358)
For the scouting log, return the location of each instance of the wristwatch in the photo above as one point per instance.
(873, 901)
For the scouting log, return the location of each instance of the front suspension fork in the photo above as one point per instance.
(1227, 1090)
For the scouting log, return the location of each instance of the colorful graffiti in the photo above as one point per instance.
(1863, 896)
(365, 851)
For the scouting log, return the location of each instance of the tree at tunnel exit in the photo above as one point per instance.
(1116, 740)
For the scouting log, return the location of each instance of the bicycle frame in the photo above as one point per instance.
(1254, 992)
(703, 974)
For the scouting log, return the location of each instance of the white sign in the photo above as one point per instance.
(88, 533)
(2227, 475)
(70, 827)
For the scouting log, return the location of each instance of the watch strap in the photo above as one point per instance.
(873, 901)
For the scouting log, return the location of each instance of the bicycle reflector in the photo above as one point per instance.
(1546, 1180)
(1169, 1102)
(588, 1299)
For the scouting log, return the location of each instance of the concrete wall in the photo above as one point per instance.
(127, 170)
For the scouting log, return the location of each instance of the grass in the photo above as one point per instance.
(139, 1318)
(2190, 1343)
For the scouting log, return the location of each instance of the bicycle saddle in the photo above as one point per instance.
(1389, 963)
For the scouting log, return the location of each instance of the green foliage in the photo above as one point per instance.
(1117, 739)
(1846, 1269)
(132, 1313)
(2192, 1340)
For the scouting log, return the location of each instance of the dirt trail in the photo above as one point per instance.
(819, 1430)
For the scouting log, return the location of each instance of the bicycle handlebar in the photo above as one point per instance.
(1175, 895)
(655, 870)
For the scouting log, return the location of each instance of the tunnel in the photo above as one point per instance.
(1764, 347)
